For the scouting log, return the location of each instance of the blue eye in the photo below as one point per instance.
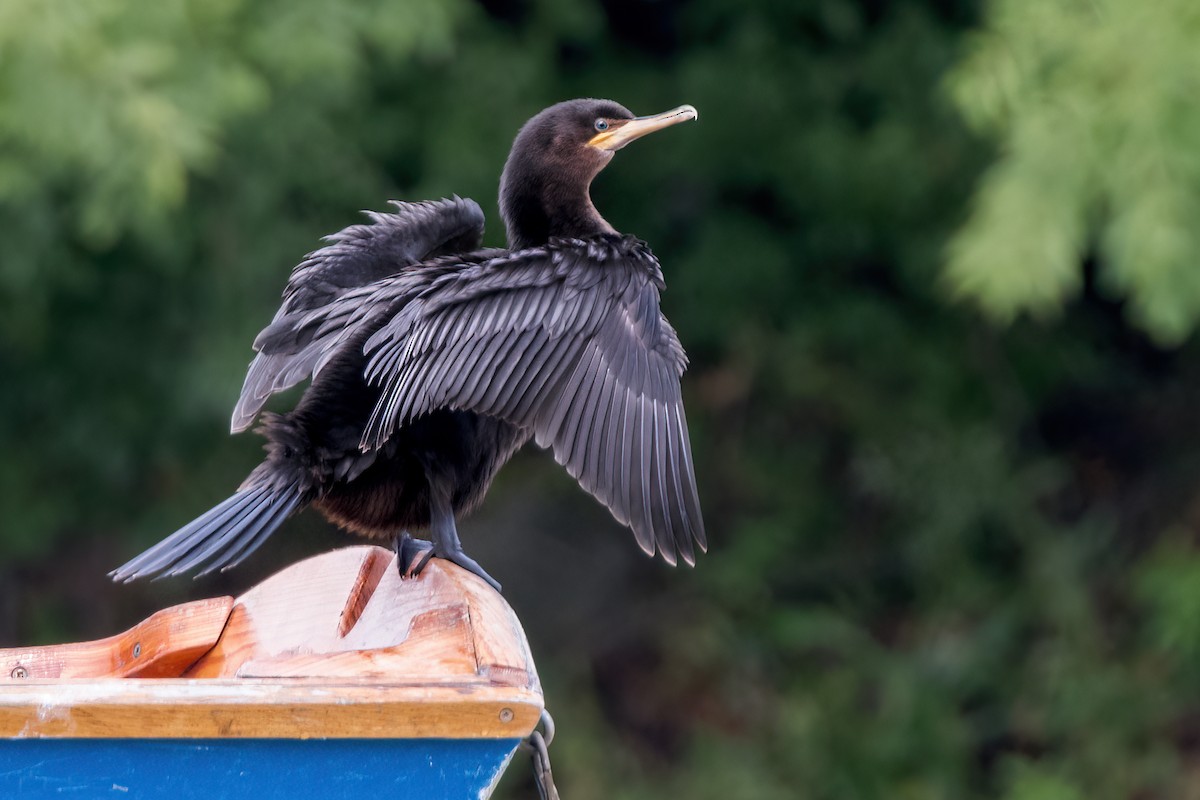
(601, 125)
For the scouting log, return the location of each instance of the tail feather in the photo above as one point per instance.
(218, 539)
(251, 540)
(212, 540)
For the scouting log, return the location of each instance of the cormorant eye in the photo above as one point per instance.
(601, 125)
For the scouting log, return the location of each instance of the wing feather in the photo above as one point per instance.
(683, 529)
(639, 484)
(664, 525)
(567, 341)
(292, 348)
(499, 390)
(596, 452)
(581, 414)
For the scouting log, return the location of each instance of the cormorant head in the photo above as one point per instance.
(544, 188)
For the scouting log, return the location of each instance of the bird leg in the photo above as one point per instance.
(411, 554)
(444, 533)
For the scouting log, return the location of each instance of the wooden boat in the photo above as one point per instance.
(333, 679)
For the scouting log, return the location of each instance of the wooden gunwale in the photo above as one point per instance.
(265, 708)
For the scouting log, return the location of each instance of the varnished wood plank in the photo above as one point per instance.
(164, 645)
(253, 708)
(498, 640)
(351, 613)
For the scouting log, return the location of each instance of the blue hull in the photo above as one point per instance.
(254, 769)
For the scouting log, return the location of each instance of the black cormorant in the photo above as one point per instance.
(432, 361)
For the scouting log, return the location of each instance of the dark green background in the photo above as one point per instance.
(953, 545)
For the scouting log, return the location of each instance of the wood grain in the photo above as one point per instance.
(294, 708)
(161, 646)
(351, 613)
(338, 646)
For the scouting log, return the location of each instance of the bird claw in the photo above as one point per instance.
(413, 555)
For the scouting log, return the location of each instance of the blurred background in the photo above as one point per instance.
(935, 266)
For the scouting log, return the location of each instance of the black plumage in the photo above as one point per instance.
(432, 361)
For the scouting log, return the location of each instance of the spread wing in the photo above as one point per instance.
(568, 341)
(354, 257)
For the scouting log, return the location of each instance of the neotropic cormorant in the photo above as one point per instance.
(432, 361)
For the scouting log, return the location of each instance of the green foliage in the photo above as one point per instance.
(141, 95)
(948, 561)
(1092, 104)
(110, 110)
(1029, 783)
(1169, 583)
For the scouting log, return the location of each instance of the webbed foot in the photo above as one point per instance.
(469, 564)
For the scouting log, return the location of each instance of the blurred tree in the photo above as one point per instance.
(1093, 105)
(109, 110)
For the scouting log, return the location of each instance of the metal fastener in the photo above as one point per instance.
(506, 715)
(19, 672)
(137, 650)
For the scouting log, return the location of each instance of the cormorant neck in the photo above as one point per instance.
(537, 206)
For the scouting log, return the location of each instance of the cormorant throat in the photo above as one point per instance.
(544, 192)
